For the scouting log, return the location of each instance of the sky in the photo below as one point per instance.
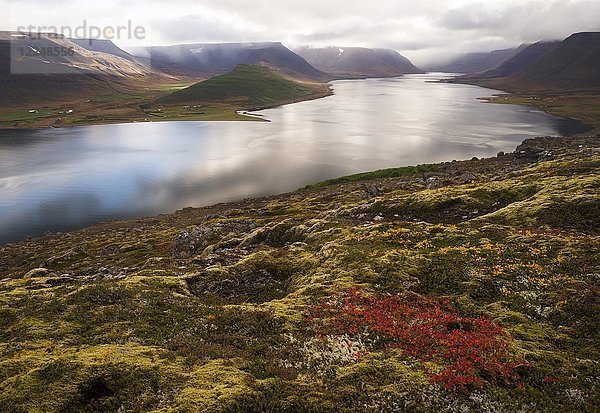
(423, 30)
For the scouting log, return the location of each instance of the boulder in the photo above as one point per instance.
(467, 177)
(372, 191)
(192, 241)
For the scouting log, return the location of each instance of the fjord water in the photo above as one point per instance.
(62, 179)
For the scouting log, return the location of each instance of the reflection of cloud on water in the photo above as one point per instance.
(196, 187)
(71, 211)
(71, 208)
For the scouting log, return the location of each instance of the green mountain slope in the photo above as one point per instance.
(245, 85)
(460, 287)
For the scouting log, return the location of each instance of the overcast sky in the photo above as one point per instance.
(420, 29)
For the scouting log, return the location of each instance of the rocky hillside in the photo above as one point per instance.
(458, 287)
(103, 46)
(47, 69)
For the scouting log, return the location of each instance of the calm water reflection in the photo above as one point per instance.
(61, 179)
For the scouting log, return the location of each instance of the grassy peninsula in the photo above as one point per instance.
(246, 85)
(458, 287)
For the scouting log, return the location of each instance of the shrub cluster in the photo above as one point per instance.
(470, 351)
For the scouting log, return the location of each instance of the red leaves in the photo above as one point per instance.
(472, 350)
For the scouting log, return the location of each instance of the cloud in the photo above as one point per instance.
(529, 20)
(422, 29)
(191, 28)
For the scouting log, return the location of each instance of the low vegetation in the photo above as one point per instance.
(382, 173)
(458, 287)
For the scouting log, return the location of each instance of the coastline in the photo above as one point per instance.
(580, 106)
(535, 101)
(136, 114)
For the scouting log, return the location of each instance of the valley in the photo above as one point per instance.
(103, 84)
(99, 85)
(374, 237)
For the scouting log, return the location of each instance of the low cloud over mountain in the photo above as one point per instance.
(423, 31)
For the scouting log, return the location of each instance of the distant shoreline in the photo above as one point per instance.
(132, 110)
(572, 105)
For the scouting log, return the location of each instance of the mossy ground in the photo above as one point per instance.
(205, 310)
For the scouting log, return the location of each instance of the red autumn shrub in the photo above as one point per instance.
(472, 350)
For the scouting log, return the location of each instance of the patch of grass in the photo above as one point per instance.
(116, 97)
(380, 174)
(23, 117)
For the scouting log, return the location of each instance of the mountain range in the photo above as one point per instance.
(315, 64)
(476, 62)
(358, 61)
(570, 65)
(573, 65)
(521, 60)
(100, 68)
(206, 60)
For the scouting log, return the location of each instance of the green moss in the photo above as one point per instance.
(90, 379)
(212, 388)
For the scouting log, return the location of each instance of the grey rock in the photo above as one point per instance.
(433, 182)
(191, 242)
(372, 191)
(467, 177)
(38, 272)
